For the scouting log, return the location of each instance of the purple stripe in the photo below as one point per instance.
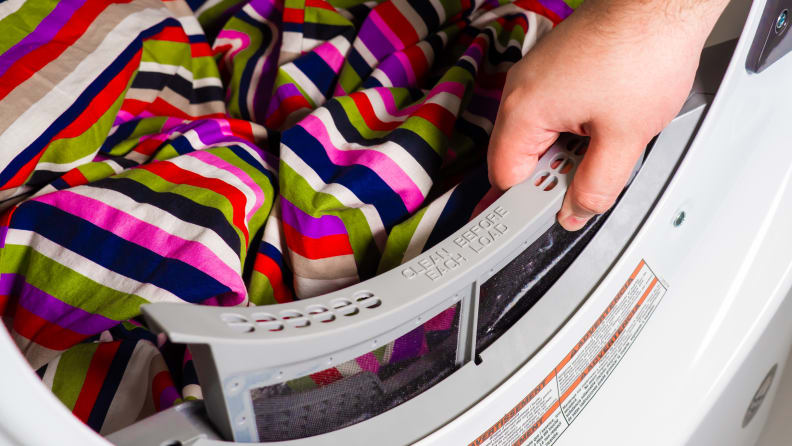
(310, 226)
(42, 35)
(393, 68)
(52, 309)
(284, 91)
(558, 6)
(168, 396)
(3, 234)
(408, 346)
(375, 41)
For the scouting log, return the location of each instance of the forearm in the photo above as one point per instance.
(639, 18)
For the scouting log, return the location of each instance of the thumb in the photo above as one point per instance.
(515, 146)
(599, 179)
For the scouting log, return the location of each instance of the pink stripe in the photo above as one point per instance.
(390, 104)
(239, 41)
(385, 30)
(214, 160)
(407, 67)
(330, 54)
(382, 164)
(146, 235)
(455, 88)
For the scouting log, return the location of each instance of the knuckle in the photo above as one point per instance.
(596, 203)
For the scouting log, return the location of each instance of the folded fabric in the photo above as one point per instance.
(228, 152)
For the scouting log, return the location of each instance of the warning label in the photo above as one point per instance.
(545, 413)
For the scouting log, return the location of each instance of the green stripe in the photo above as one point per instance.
(316, 204)
(199, 195)
(70, 375)
(398, 241)
(22, 22)
(70, 287)
(66, 150)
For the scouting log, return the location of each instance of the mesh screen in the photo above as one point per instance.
(513, 290)
(362, 388)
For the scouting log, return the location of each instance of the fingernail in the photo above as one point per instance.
(571, 222)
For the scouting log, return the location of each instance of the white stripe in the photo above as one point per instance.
(49, 374)
(190, 25)
(447, 100)
(89, 268)
(117, 168)
(206, 6)
(164, 221)
(409, 165)
(305, 83)
(365, 53)
(192, 390)
(305, 288)
(10, 7)
(290, 46)
(58, 167)
(380, 110)
(439, 9)
(309, 44)
(258, 69)
(200, 167)
(154, 67)
(413, 17)
(425, 226)
(129, 398)
(383, 78)
(34, 121)
(341, 193)
(538, 26)
(478, 120)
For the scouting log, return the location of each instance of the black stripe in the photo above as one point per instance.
(158, 81)
(181, 207)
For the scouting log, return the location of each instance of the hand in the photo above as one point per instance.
(618, 74)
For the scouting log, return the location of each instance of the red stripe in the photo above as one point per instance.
(148, 147)
(23, 173)
(175, 174)
(319, 4)
(536, 6)
(35, 60)
(94, 378)
(161, 381)
(242, 128)
(293, 15)
(437, 115)
(417, 60)
(44, 332)
(102, 102)
(316, 248)
(201, 49)
(326, 377)
(171, 33)
(397, 23)
(4, 299)
(286, 107)
(74, 178)
(266, 266)
(97, 107)
(161, 107)
(369, 116)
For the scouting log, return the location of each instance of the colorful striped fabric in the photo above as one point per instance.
(228, 152)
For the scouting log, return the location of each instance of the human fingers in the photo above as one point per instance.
(599, 179)
(517, 141)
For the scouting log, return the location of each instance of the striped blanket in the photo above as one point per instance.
(227, 152)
